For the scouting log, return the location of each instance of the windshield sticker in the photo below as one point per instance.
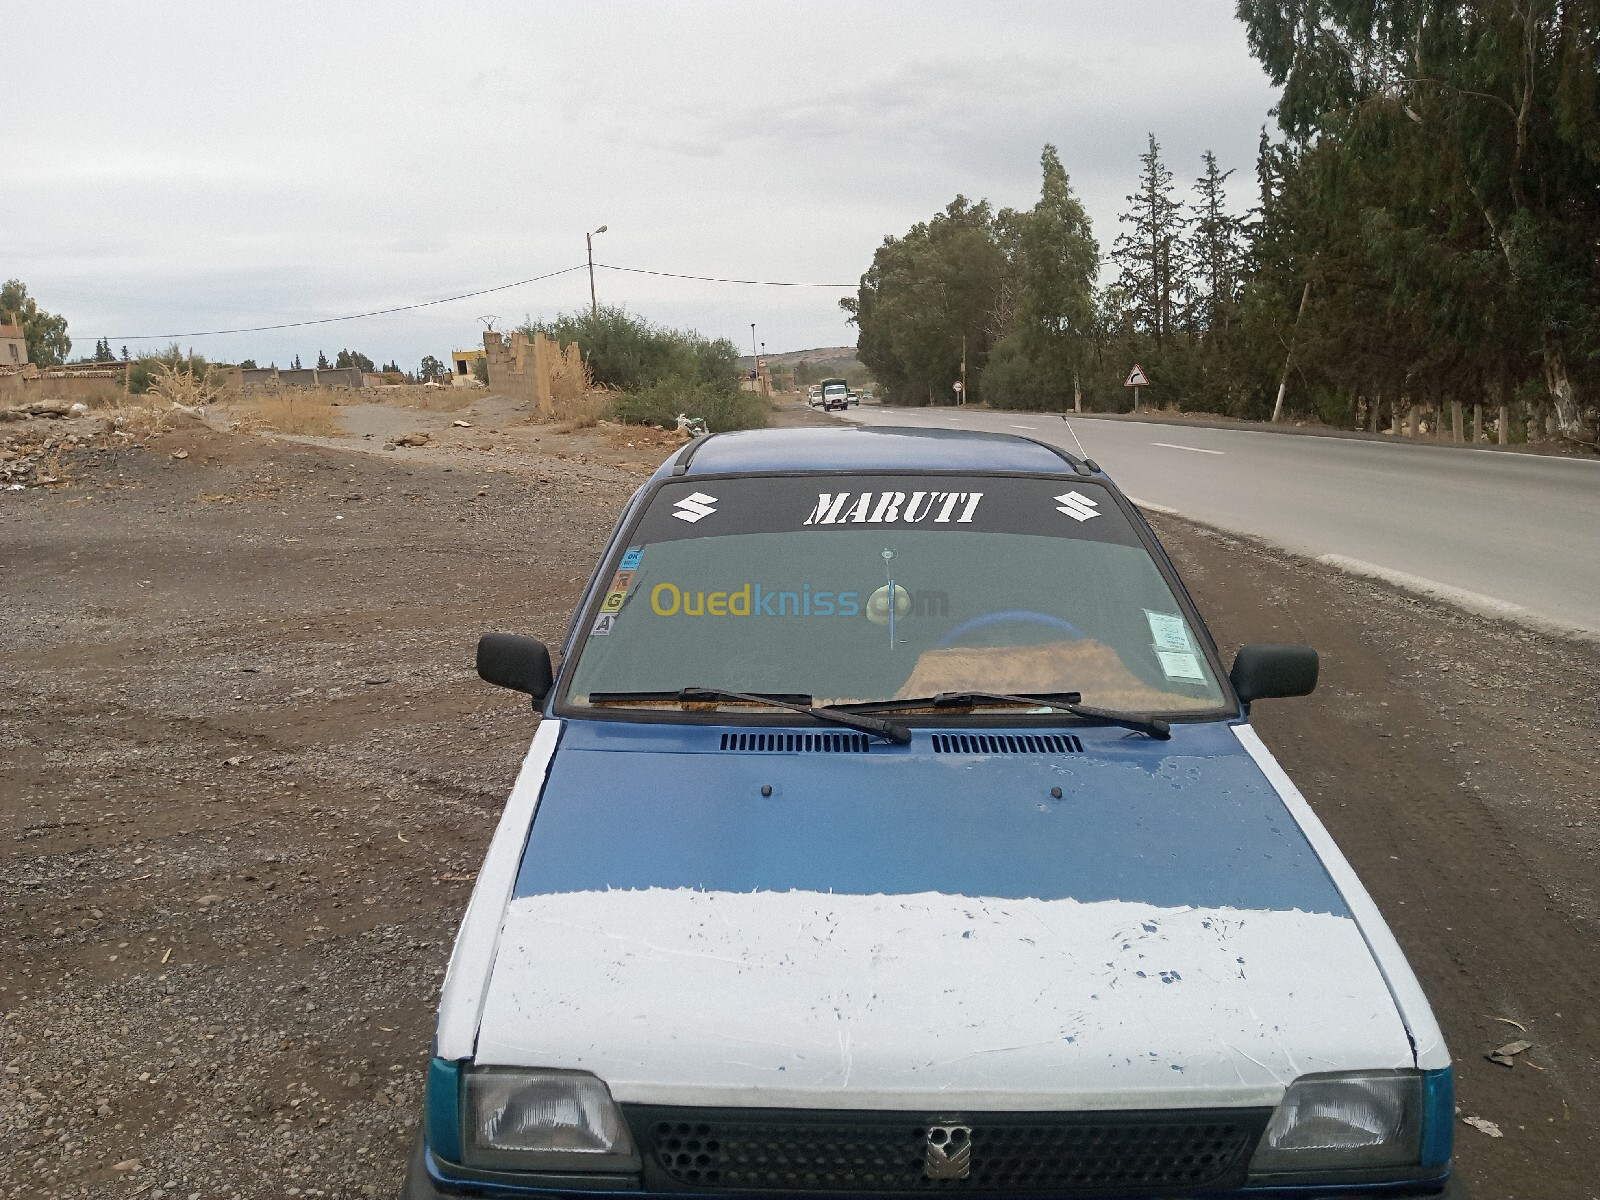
(1169, 632)
(893, 508)
(1182, 665)
(616, 596)
(695, 506)
(758, 600)
(1077, 506)
(630, 560)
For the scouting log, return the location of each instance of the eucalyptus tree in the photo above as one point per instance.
(1501, 159)
(1046, 304)
(927, 297)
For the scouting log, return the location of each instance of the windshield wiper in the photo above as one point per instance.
(891, 731)
(1066, 702)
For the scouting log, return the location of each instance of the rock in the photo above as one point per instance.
(462, 424)
(412, 439)
(208, 901)
(180, 454)
(78, 409)
(126, 1165)
(1483, 1126)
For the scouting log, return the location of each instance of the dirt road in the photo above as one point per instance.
(249, 773)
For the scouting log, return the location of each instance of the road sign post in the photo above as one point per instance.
(1136, 379)
(959, 390)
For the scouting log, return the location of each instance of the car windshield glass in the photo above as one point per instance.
(854, 589)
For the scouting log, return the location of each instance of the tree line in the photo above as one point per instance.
(1426, 236)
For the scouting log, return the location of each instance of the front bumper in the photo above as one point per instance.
(426, 1181)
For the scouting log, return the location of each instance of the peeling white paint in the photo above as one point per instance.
(1415, 1011)
(818, 1000)
(472, 959)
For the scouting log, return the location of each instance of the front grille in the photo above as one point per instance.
(1088, 1154)
(1006, 743)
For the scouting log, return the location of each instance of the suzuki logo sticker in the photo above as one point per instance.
(948, 1153)
(1077, 506)
(694, 506)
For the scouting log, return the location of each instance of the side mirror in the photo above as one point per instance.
(1260, 672)
(520, 663)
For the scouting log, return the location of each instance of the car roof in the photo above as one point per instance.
(871, 448)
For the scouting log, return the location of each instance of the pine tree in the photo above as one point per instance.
(1216, 251)
(322, 361)
(1151, 255)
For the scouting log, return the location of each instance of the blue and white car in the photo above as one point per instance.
(893, 826)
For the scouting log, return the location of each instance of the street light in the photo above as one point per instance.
(588, 238)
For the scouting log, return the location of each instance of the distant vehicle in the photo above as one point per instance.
(835, 394)
(853, 397)
(814, 397)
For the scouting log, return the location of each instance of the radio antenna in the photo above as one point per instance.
(1082, 453)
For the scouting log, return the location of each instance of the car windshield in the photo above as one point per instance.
(856, 589)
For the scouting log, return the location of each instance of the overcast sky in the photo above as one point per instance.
(171, 168)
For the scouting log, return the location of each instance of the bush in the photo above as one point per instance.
(628, 353)
(147, 368)
(722, 406)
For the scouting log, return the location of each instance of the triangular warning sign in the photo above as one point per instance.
(1137, 377)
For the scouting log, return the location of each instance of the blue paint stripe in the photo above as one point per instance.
(1439, 1117)
(441, 1109)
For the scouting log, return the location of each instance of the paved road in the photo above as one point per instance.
(1513, 534)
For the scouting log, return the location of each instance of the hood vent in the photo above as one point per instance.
(1006, 743)
(796, 743)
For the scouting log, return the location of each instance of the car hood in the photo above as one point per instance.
(700, 922)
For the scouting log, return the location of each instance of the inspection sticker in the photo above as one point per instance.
(1168, 632)
(630, 560)
(1180, 665)
(1169, 638)
(603, 624)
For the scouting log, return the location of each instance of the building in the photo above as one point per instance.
(13, 347)
(462, 362)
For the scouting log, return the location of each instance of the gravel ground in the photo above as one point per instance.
(250, 774)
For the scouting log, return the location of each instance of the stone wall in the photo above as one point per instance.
(99, 386)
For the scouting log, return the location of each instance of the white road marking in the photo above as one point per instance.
(1471, 601)
(1196, 449)
(1024, 427)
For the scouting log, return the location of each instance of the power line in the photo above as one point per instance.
(716, 279)
(379, 312)
(399, 308)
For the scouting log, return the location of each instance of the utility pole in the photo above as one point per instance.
(755, 359)
(963, 368)
(588, 238)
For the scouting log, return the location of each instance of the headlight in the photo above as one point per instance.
(560, 1121)
(1358, 1122)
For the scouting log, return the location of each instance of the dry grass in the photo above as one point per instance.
(292, 410)
(446, 398)
(580, 411)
